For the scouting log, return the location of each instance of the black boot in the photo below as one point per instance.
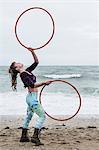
(24, 136)
(35, 139)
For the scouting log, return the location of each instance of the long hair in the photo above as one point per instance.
(13, 72)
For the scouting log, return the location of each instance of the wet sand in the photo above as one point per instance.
(79, 133)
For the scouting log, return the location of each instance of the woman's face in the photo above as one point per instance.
(18, 65)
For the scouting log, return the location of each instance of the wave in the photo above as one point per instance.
(54, 76)
(14, 103)
(90, 91)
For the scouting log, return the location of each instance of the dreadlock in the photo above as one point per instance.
(13, 72)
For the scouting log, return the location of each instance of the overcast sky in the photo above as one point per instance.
(76, 36)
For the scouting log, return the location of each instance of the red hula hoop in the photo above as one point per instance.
(18, 21)
(76, 92)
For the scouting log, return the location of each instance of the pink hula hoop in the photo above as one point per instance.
(76, 92)
(53, 31)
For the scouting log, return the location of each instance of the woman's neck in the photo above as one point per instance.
(21, 70)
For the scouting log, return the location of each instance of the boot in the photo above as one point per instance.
(35, 139)
(24, 136)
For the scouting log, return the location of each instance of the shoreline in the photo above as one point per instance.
(79, 120)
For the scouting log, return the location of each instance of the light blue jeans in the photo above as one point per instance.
(34, 106)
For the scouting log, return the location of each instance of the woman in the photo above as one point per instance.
(34, 106)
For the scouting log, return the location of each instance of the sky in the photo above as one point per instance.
(76, 38)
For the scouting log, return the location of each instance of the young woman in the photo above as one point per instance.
(34, 106)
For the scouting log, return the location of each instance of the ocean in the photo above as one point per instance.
(60, 97)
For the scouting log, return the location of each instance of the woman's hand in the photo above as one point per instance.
(48, 82)
(31, 49)
(33, 54)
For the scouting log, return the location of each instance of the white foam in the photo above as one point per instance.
(14, 103)
(54, 76)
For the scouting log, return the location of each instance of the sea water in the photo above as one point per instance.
(84, 78)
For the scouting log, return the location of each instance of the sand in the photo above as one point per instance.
(79, 133)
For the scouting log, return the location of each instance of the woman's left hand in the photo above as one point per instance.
(30, 49)
(48, 82)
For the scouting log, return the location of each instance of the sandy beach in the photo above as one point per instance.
(79, 133)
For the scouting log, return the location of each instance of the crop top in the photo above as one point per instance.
(29, 79)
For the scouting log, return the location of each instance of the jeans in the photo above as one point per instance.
(34, 106)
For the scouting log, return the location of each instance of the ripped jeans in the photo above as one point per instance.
(34, 106)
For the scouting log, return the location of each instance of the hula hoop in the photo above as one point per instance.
(19, 19)
(76, 92)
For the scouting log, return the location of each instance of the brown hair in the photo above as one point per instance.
(13, 72)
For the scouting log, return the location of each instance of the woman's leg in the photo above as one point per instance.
(28, 118)
(24, 136)
(37, 108)
(40, 112)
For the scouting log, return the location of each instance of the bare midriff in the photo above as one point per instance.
(32, 89)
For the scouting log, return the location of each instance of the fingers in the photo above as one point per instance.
(31, 49)
(48, 82)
